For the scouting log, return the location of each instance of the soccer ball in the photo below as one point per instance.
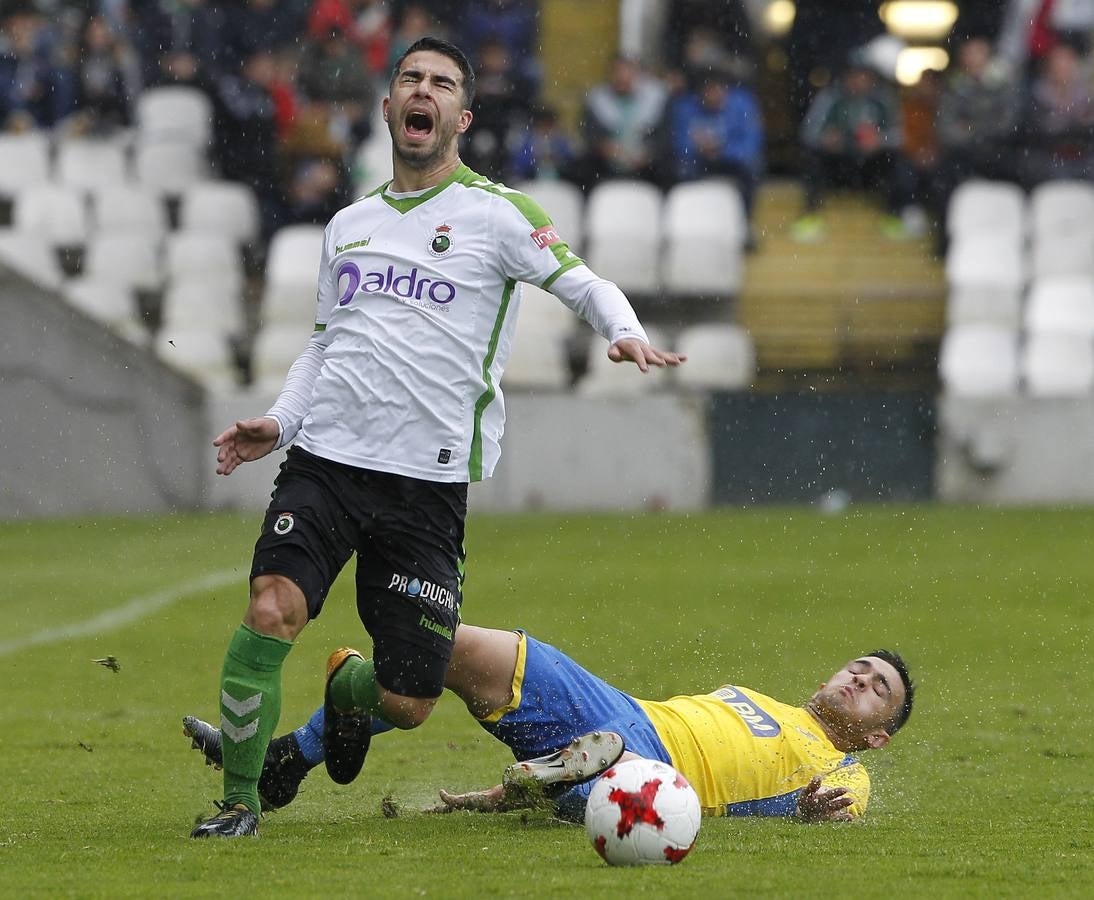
(642, 812)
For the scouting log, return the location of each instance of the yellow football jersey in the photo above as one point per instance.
(748, 754)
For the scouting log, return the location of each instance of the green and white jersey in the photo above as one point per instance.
(418, 299)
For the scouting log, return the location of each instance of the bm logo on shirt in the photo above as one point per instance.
(758, 722)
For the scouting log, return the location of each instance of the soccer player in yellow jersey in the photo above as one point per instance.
(745, 753)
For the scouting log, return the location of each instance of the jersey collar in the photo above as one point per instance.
(406, 204)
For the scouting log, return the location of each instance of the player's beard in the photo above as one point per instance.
(418, 156)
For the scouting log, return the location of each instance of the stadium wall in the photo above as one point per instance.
(89, 423)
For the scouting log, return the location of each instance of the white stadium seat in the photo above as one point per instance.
(191, 254)
(129, 207)
(720, 356)
(989, 266)
(129, 258)
(373, 161)
(538, 358)
(195, 304)
(983, 207)
(1064, 253)
(170, 168)
(31, 256)
(54, 212)
(623, 234)
(221, 207)
(1063, 305)
(107, 301)
(292, 271)
(202, 353)
(705, 233)
(610, 379)
(90, 163)
(979, 361)
(1058, 365)
(174, 113)
(1062, 207)
(276, 347)
(564, 204)
(24, 161)
(969, 306)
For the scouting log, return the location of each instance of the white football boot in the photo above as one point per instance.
(585, 758)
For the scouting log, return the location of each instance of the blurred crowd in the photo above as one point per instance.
(295, 85)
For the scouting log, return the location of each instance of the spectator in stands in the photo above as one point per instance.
(852, 136)
(333, 77)
(1058, 121)
(718, 130)
(624, 122)
(546, 150)
(722, 29)
(108, 78)
(35, 91)
(246, 133)
(317, 190)
(919, 113)
(366, 22)
(511, 23)
(181, 42)
(500, 109)
(977, 118)
(414, 22)
(255, 25)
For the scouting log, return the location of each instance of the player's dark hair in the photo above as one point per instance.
(894, 660)
(445, 48)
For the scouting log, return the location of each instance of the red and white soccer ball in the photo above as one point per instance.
(642, 812)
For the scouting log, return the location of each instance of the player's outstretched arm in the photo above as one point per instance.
(643, 354)
(817, 804)
(247, 440)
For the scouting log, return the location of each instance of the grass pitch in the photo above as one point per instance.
(988, 791)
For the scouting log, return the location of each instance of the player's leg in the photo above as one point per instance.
(409, 590)
(305, 541)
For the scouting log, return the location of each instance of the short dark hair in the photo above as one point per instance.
(893, 659)
(445, 48)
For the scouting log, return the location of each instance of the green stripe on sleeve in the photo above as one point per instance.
(474, 464)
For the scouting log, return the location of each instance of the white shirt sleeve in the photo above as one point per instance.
(294, 401)
(600, 303)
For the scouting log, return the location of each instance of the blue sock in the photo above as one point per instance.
(310, 735)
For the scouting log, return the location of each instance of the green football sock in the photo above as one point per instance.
(250, 705)
(354, 687)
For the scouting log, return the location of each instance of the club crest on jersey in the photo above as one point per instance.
(441, 243)
(284, 523)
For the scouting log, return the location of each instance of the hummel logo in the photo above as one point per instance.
(352, 245)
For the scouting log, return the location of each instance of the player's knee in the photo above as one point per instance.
(407, 712)
(277, 607)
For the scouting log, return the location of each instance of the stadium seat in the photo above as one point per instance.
(276, 347)
(31, 256)
(1062, 305)
(107, 301)
(705, 233)
(1058, 365)
(129, 207)
(564, 204)
(986, 207)
(1062, 207)
(1064, 253)
(221, 207)
(373, 162)
(623, 234)
(979, 361)
(174, 113)
(194, 253)
(129, 258)
(991, 266)
(203, 354)
(609, 379)
(969, 306)
(170, 168)
(54, 212)
(538, 358)
(720, 356)
(24, 161)
(204, 303)
(292, 270)
(92, 163)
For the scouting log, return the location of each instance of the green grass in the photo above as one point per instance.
(988, 792)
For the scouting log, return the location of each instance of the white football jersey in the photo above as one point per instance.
(419, 298)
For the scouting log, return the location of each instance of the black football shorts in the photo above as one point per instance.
(408, 537)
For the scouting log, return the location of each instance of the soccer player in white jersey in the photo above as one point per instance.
(392, 407)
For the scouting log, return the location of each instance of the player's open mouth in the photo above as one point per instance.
(418, 125)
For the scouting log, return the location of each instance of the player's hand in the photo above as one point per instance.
(643, 354)
(247, 440)
(817, 804)
(490, 800)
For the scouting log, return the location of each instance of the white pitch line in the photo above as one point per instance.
(128, 612)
